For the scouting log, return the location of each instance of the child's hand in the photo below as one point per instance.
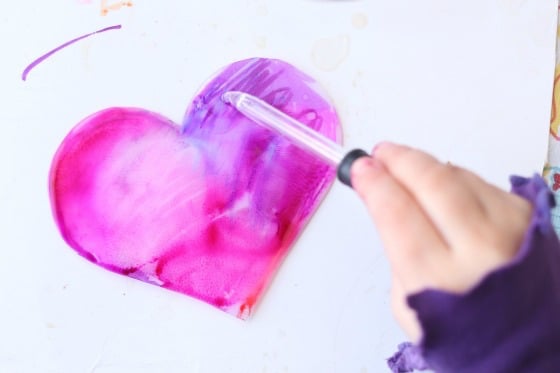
(442, 226)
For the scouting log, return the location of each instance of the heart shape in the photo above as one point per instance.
(209, 208)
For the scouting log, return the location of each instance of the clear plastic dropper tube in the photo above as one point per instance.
(272, 118)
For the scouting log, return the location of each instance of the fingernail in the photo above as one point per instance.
(380, 145)
(365, 165)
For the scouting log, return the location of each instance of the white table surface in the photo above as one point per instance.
(469, 81)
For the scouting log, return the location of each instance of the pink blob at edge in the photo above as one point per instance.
(209, 208)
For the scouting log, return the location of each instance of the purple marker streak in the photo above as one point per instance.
(47, 55)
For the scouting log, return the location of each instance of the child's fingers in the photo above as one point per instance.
(507, 217)
(405, 316)
(413, 245)
(439, 189)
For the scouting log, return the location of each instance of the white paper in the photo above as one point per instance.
(468, 81)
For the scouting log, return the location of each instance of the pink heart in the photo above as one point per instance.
(209, 208)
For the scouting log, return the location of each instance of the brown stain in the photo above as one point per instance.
(260, 42)
(262, 10)
(329, 53)
(106, 8)
(359, 21)
(512, 5)
(259, 7)
(356, 82)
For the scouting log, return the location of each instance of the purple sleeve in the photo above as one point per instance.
(510, 321)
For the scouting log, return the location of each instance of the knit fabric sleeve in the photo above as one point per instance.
(509, 321)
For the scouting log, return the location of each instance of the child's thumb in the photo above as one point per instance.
(365, 173)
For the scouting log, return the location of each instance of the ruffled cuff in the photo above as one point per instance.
(406, 359)
(510, 321)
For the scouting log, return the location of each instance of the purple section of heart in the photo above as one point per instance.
(209, 208)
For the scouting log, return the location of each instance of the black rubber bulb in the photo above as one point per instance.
(343, 169)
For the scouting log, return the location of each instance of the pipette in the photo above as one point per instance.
(306, 138)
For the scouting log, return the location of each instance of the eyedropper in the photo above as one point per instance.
(307, 139)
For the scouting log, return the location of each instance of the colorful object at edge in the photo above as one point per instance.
(551, 172)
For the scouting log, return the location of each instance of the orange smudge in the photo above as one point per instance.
(106, 8)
